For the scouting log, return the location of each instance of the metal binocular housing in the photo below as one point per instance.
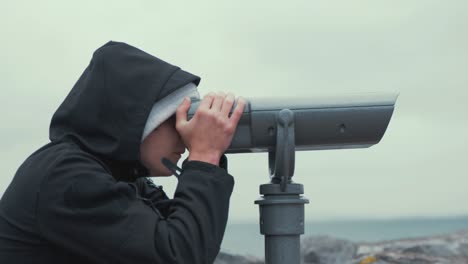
(324, 122)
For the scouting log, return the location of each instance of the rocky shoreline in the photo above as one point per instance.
(442, 249)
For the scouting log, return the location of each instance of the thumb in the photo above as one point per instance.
(181, 113)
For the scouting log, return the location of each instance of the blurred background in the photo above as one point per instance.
(413, 183)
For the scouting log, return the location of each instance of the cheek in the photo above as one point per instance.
(162, 142)
(172, 140)
(156, 152)
(149, 150)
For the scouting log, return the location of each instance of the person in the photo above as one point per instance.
(85, 197)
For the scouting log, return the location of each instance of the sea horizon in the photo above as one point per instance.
(244, 238)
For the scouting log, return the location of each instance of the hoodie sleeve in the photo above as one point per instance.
(83, 210)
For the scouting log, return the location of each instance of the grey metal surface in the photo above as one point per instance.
(327, 122)
(277, 245)
(281, 159)
(281, 204)
(282, 222)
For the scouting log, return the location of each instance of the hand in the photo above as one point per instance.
(209, 133)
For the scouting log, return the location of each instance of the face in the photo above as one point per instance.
(162, 142)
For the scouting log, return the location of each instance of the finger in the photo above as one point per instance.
(181, 112)
(227, 104)
(237, 114)
(218, 102)
(207, 101)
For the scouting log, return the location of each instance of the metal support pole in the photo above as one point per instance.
(282, 222)
(281, 204)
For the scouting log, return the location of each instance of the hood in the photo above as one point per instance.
(107, 108)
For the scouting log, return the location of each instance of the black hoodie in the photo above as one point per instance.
(83, 197)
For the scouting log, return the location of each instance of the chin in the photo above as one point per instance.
(159, 170)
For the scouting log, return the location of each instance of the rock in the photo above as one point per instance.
(311, 257)
(225, 258)
(324, 249)
(463, 249)
(443, 249)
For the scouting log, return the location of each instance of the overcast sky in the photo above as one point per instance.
(418, 48)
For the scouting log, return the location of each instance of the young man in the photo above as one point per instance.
(85, 198)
